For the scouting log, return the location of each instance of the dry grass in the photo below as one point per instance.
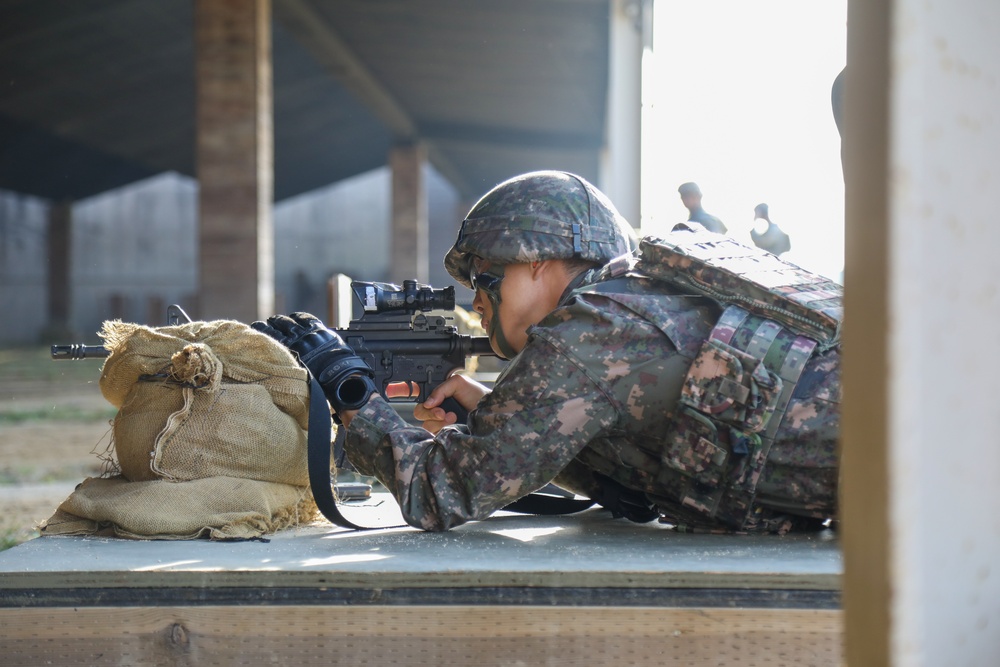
(54, 423)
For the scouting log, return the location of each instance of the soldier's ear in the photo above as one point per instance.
(541, 268)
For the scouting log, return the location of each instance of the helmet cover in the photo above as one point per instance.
(537, 216)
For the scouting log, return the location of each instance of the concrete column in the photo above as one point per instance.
(340, 300)
(921, 506)
(620, 177)
(235, 161)
(60, 244)
(409, 213)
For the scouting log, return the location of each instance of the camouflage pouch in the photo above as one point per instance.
(692, 449)
(732, 386)
(731, 405)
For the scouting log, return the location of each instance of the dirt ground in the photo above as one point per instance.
(54, 425)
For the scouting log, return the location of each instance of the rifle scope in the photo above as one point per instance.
(411, 298)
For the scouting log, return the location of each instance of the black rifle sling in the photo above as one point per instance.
(318, 445)
(539, 503)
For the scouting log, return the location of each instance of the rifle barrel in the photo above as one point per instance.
(480, 346)
(78, 351)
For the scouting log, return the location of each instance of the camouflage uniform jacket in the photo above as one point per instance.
(590, 395)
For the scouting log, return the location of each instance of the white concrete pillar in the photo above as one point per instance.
(921, 436)
(621, 159)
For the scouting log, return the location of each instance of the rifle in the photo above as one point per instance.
(396, 336)
(77, 351)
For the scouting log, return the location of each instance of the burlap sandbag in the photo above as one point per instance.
(209, 439)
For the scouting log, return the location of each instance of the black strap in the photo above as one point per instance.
(318, 445)
(625, 502)
(539, 503)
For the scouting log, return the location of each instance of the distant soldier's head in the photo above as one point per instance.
(690, 194)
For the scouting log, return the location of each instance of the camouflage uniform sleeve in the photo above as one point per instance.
(544, 409)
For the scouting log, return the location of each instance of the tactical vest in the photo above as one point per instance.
(775, 317)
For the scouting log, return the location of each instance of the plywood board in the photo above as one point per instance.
(430, 635)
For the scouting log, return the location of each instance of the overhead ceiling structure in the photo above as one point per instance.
(97, 94)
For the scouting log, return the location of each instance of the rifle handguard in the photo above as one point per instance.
(348, 393)
(347, 381)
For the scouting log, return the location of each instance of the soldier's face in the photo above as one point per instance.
(508, 306)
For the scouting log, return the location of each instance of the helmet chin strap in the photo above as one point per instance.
(495, 332)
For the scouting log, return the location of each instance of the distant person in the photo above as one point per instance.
(766, 235)
(837, 102)
(691, 198)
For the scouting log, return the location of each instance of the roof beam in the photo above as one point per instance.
(313, 32)
(510, 137)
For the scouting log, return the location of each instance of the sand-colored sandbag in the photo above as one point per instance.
(209, 439)
(222, 508)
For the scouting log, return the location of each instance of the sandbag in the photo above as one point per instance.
(209, 438)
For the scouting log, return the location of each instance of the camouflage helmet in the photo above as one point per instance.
(537, 216)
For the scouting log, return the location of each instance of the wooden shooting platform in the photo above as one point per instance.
(513, 590)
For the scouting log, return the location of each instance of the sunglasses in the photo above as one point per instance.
(487, 280)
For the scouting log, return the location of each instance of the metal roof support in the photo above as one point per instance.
(313, 32)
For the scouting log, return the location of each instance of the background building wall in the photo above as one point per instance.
(134, 249)
(133, 252)
(23, 256)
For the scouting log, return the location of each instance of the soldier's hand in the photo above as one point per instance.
(463, 390)
(347, 381)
